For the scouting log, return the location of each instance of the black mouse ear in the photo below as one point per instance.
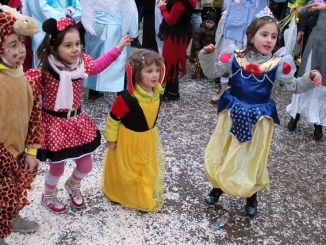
(49, 26)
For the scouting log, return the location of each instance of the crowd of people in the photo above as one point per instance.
(80, 43)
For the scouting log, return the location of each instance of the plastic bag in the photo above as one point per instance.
(290, 36)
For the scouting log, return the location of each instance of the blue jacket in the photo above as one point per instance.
(239, 16)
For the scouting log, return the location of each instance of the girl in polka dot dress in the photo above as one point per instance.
(68, 132)
(237, 153)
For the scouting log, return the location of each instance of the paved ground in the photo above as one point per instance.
(292, 212)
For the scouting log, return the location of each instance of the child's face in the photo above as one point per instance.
(14, 49)
(150, 75)
(69, 50)
(209, 24)
(265, 38)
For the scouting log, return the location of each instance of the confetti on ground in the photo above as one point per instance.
(292, 212)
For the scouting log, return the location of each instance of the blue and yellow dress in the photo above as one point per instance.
(237, 153)
(133, 173)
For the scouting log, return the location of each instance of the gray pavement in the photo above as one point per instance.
(292, 212)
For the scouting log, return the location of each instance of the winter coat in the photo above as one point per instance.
(316, 45)
(218, 4)
(202, 37)
(278, 8)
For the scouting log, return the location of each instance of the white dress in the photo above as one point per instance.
(311, 104)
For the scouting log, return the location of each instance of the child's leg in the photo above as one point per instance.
(224, 85)
(251, 206)
(49, 197)
(53, 176)
(84, 166)
(14, 182)
(7, 214)
(213, 196)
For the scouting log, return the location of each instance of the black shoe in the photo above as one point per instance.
(191, 59)
(213, 196)
(96, 96)
(217, 80)
(135, 43)
(251, 206)
(293, 122)
(318, 133)
(194, 76)
(168, 96)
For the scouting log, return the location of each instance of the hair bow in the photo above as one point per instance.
(64, 22)
(52, 26)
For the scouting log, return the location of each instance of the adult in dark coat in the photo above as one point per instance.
(149, 34)
(312, 104)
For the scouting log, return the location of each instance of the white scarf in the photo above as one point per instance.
(65, 95)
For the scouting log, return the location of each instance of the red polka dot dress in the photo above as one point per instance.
(65, 138)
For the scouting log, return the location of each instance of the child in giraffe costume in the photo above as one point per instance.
(20, 123)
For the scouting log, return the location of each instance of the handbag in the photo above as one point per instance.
(160, 33)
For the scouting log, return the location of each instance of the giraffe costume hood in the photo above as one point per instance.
(11, 21)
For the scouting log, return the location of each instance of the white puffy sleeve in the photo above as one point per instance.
(285, 75)
(213, 66)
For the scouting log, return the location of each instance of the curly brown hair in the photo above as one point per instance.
(141, 58)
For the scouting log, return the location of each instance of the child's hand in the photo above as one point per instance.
(110, 145)
(293, 8)
(315, 76)
(125, 41)
(208, 49)
(30, 162)
(159, 3)
(316, 6)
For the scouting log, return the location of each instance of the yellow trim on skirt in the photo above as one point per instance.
(133, 173)
(239, 169)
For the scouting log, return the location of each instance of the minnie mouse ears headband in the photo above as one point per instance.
(53, 27)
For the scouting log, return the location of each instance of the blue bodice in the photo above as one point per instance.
(248, 99)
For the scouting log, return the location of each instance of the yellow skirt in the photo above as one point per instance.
(239, 169)
(133, 173)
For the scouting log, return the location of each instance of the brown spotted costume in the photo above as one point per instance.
(20, 124)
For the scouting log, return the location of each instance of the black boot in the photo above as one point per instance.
(93, 94)
(293, 122)
(251, 206)
(171, 91)
(318, 133)
(168, 96)
(213, 196)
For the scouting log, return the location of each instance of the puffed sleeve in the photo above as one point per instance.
(214, 67)
(89, 64)
(118, 111)
(285, 75)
